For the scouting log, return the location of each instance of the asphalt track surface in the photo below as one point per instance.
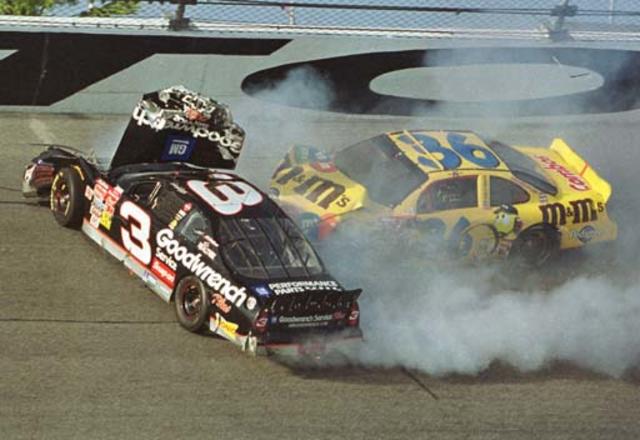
(88, 352)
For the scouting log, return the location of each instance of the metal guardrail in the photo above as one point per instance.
(555, 19)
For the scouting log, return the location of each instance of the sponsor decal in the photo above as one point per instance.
(88, 192)
(210, 240)
(300, 319)
(324, 167)
(163, 272)
(100, 189)
(149, 279)
(586, 234)
(28, 173)
(105, 219)
(105, 198)
(309, 324)
(112, 197)
(193, 263)
(205, 248)
(166, 259)
(289, 287)
(251, 303)
(178, 148)
(95, 210)
(182, 212)
(221, 303)
(98, 203)
(581, 211)
(576, 182)
(315, 189)
(227, 327)
(339, 315)
(262, 291)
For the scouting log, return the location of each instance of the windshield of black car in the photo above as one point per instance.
(377, 163)
(266, 248)
(523, 167)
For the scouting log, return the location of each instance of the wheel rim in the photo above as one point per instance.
(536, 247)
(191, 302)
(61, 198)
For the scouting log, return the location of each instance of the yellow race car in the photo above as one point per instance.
(480, 199)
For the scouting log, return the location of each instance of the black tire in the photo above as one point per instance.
(66, 198)
(192, 304)
(535, 246)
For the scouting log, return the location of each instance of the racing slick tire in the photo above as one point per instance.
(192, 304)
(66, 198)
(535, 246)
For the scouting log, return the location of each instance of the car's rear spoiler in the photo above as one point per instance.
(313, 301)
(179, 125)
(581, 167)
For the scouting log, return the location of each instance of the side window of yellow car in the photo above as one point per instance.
(447, 194)
(506, 192)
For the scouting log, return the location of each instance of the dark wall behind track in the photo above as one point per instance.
(49, 67)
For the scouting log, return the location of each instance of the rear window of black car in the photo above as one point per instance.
(266, 248)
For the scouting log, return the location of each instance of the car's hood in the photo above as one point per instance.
(317, 188)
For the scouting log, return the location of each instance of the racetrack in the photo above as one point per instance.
(88, 352)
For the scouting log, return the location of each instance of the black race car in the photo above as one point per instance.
(228, 257)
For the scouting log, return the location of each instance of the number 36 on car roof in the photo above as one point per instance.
(433, 154)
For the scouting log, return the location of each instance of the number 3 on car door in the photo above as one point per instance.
(135, 238)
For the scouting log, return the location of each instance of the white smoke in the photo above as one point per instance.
(459, 323)
(441, 318)
(273, 127)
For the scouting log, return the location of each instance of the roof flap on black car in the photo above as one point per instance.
(179, 125)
